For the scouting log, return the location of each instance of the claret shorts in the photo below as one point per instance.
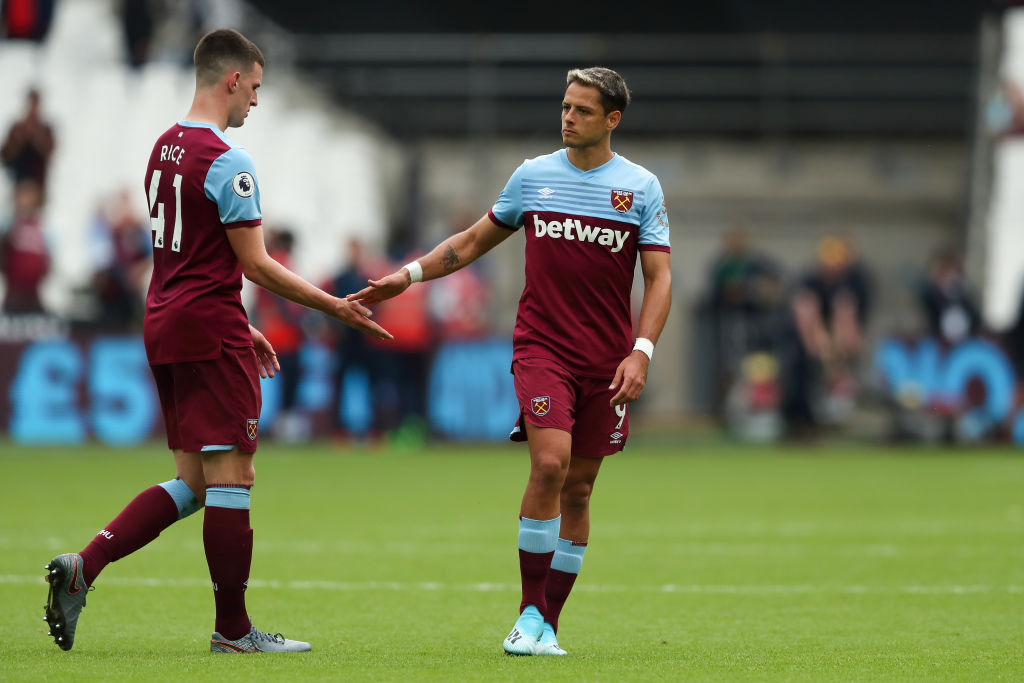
(211, 404)
(551, 396)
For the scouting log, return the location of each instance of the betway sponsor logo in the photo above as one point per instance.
(571, 229)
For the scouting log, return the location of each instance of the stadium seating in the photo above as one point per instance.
(320, 173)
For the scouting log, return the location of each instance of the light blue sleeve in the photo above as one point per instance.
(654, 219)
(509, 207)
(231, 183)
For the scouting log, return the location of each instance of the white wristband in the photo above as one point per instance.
(645, 345)
(415, 271)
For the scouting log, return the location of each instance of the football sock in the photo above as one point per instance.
(183, 497)
(537, 540)
(227, 539)
(565, 567)
(140, 522)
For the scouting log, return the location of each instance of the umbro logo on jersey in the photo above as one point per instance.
(545, 192)
(617, 435)
(571, 229)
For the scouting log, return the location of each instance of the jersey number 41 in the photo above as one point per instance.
(157, 221)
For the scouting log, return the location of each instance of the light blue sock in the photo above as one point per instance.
(538, 535)
(568, 557)
(231, 497)
(183, 497)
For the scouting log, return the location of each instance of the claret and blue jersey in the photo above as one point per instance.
(583, 232)
(198, 184)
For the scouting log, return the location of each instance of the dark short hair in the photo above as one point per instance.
(614, 93)
(223, 50)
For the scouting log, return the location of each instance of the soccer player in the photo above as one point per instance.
(206, 359)
(587, 213)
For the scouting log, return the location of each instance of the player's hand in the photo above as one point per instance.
(630, 378)
(384, 288)
(354, 314)
(264, 353)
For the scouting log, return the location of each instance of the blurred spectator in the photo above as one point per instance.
(29, 144)
(950, 310)
(280, 321)
(403, 363)
(830, 308)
(121, 250)
(137, 22)
(26, 19)
(733, 279)
(24, 256)
(742, 307)
(353, 355)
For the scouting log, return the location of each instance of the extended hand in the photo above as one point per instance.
(384, 288)
(264, 353)
(354, 314)
(630, 378)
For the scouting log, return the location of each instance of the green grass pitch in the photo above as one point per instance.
(706, 562)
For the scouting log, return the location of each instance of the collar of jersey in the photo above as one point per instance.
(607, 164)
(215, 129)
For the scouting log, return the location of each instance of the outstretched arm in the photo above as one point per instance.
(631, 375)
(260, 268)
(454, 253)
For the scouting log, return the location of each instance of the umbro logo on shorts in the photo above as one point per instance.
(252, 427)
(540, 405)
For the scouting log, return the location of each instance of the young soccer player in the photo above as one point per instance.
(587, 213)
(204, 201)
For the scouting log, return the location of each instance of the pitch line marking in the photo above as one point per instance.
(486, 587)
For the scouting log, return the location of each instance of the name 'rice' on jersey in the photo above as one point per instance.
(583, 232)
(198, 184)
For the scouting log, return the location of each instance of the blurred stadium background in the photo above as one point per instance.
(862, 158)
(841, 179)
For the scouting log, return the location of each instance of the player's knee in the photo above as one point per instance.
(576, 496)
(549, 467)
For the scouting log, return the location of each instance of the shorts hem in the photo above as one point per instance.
(203, 449)
(523, 418)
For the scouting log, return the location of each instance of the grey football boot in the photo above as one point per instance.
(257, 641)
(66, 598)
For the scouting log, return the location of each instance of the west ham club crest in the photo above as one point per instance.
(622, 200)
(540, 405)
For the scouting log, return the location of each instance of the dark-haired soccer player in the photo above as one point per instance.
(587, 213)
(206, 359)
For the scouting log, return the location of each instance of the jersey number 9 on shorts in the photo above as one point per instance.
(157, 221)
